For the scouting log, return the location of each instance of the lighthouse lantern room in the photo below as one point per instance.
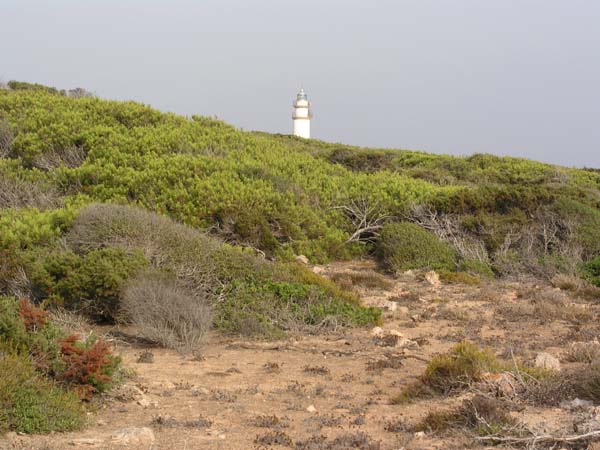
(302, 115)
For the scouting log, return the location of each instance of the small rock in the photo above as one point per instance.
(200, 391)
(311, 409)
(318, 270)
(545, 360)
(419, 435)
(302, 259)
(433, 278)
(143, 436)
(144, 402)
(377, 331)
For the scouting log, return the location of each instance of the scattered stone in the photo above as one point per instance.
(311, 409)
(433, 278)
(302, 259)
(140, 436)
(545, 360)
(318, 270)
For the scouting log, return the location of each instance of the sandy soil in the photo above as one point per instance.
(245, 394)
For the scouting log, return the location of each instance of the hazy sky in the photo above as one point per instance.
(511, 77)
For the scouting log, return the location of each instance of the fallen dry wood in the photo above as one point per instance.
(541, 438)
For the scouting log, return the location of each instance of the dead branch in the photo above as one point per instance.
(537, 439)
(367, 219)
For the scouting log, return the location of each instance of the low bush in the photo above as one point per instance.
(90, 368)
(403, 246)
(166, 312)
(30, 403)
(250, 295)
(90, 284)
(483, 415)
(457, 370)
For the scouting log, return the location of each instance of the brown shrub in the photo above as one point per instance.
(166, 312)
(85, 366)
(34, 318)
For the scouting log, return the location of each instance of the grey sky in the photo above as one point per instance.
(518, 77)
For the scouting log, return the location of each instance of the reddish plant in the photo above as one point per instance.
(33, 317)
(85, 365)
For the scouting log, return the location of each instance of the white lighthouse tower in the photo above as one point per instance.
(302, 115)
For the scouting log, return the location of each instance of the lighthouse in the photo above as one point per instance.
(301, 115)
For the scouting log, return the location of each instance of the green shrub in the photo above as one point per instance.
(30, 403)
(463, 365)
(251, 295)
(405, 245)
(90, 284)
(591, 271)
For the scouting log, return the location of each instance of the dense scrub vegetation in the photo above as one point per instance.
(241, 199)
(45, 373)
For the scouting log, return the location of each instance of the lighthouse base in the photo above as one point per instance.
(302, 128)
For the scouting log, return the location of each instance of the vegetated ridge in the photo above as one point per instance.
(177, 225)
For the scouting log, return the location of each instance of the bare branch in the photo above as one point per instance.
(367, 219)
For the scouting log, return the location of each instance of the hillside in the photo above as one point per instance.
(157, 230)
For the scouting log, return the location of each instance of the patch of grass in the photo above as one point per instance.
(450, 277)
(30, 403)
(370, 280)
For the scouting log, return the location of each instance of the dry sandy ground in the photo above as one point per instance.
(247, 395)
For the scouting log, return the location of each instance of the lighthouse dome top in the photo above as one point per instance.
(301, 95)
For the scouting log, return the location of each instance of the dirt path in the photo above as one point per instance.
(246, 395)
